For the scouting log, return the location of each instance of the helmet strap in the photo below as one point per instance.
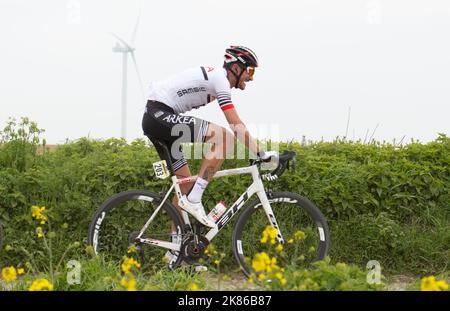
(238, 77)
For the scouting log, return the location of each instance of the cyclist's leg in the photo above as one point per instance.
(181, 172)
(222, 142)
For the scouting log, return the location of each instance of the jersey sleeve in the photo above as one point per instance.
(223, 92)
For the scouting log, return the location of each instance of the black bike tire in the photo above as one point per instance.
(122, 197)
(302, 202)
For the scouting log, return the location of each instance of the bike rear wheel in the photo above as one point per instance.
(303, 227)
(119, 220)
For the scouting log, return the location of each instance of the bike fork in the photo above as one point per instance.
(268, 210)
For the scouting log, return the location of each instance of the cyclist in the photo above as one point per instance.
(165, 125)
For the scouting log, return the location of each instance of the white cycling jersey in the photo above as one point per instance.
(193, 88)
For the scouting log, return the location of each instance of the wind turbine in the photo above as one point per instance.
(123, 47)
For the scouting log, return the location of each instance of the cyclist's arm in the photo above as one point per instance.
(240, 130)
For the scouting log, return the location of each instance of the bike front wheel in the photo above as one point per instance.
(303, 227)
(117, 223)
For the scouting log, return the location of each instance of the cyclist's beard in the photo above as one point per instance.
(242, 84)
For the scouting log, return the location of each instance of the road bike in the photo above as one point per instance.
(143, 218)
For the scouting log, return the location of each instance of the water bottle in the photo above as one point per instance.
(217, 211)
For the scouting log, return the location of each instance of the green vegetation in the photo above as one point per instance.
(383, 202)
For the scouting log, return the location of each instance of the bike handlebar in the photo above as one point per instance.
(283, 164)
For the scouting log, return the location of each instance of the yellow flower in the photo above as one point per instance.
(266, 258)
(193, 287)
(299, 235)
(36, 212)
(20, 271)
(8, 248)
(442, 285)
(291, 241)
(279, 248)
(272, 232)
(262, 276)
(279, 276)
(260, 261)
(9, 274)
(430, 284)
(283, 282)
(39, 232)
(269, 232)
(131, 249)
(216, 262)
(258, 265)
(129, 282)
(128, 263)
(40, 284)
(210, 250)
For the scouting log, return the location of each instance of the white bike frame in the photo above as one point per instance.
(256, 187)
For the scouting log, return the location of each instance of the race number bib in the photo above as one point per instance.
(161, 170)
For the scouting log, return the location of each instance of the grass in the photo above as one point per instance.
(414, 249)
(98, 275)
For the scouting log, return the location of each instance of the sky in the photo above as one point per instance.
(365, 68)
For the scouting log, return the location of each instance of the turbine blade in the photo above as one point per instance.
(122, 41)
(133, 37)
(138, 75)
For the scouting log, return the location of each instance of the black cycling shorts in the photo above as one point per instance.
(161, 124)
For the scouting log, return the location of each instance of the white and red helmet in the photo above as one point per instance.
(241, 55)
